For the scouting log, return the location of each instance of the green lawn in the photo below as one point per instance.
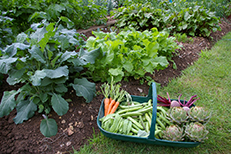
(210, 79)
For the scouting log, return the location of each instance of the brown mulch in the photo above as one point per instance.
(26, 138)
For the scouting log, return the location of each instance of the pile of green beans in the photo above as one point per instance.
(161, 121)
(134, 118)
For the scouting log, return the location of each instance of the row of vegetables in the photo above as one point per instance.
(176, 120)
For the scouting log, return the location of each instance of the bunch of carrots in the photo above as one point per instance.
(113, 96)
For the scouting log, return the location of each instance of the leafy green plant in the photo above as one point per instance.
(43, 59)
(140, 17)
(176, 17)
(220, 7)
(194, 21)
(130, 53)
(83, 13)
(6, 33)
(20, 10)
(183, 38)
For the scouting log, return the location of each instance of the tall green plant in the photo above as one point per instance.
(42, 60)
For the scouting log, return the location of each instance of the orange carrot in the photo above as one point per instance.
(106, 105)
(122, 93)
(105, 90)
(114, 107)
(114, 94)
(111, 106)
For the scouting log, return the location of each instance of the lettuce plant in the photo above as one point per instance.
(42, 60)
(130, 53)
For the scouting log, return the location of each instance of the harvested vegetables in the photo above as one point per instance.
(173, 123)
(135, 118)
(113, 96)
(162, 101)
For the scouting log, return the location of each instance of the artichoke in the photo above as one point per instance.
(196, 131)
(177, 115)
(173, 133)
(199, 114)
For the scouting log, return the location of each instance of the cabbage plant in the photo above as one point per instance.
(42, 59)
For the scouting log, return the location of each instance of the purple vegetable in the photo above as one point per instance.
(190, 102)
(175, 104)
(163, 101)
(167, 102)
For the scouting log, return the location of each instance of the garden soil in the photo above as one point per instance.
(79, 123)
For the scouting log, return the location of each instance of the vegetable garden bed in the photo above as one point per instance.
(76, 126)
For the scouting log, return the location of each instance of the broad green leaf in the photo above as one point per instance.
(152, 49)
(43, 42)
(182, 26)
(64, 41)
(66, 56)
(187, 16)
(145, 61)
(36, 78)
(43, 97)
(77, 62)
(37, 54)
(84, 88)
(69, 23)
(48, 127)
(61, 88)
(15, 76)
(50, 27)
(57, 73)
(116, 71)
(21, 37)
(38, 34)
(161, 60)
(37, 15)
(25, 110)
(58, 7)
(115, 44)
(8, 102)
(141, 72)
(5, 64)
(21, 96)
(11, 50)
(52, 74)
(35, 99)
(99, 34)
(67, 32)
(128, 66)
(59, 104)
(110, 55)
(46, 81)
(91, 42)
(149, 68)
(11, 80)
(89, 56)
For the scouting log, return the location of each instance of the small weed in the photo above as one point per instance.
(183, 38)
